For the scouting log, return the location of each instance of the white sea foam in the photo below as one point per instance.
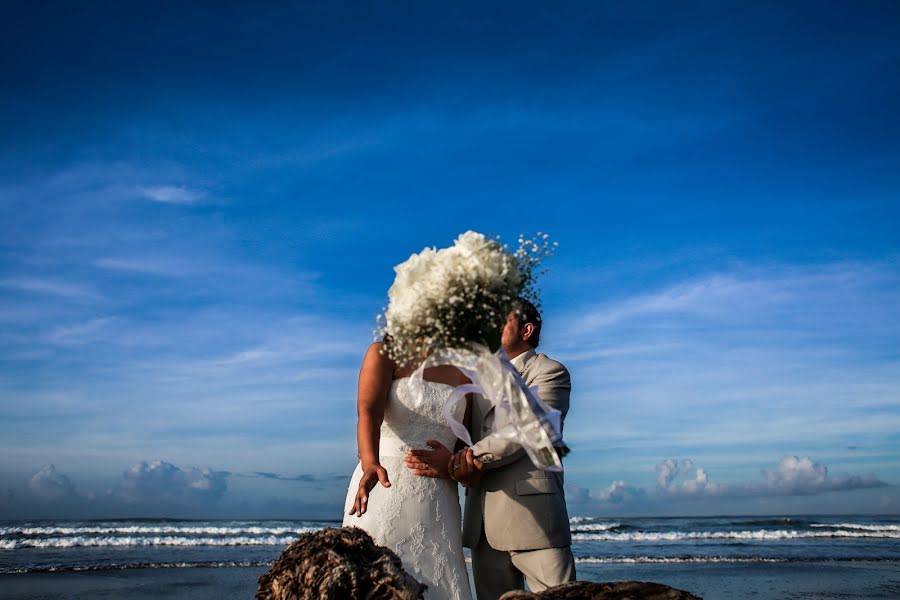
(155, 530)
(216, 564)
(596, 526)
(857, 526)
(576, 520)
(678, 559)
(108, 541)
(758, 535)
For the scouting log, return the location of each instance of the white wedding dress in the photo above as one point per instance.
(417, 517)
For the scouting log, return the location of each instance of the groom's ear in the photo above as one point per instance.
(527, 331)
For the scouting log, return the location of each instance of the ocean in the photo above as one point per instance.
(714, 557)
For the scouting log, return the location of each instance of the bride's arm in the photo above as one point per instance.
(375, 379)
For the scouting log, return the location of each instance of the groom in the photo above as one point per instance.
(516, 521)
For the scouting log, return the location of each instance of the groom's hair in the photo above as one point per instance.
(526, 312)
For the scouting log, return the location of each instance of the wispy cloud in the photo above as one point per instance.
(81, 333)
(303, 478)
(710, 356)
(169, 194)
(148, 266)
(52, 287)
(754, 293)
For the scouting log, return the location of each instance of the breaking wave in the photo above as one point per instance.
(718, 559)
(759, 535)
(858, 526)
(156, 530)
(209, 564)
(130, 541)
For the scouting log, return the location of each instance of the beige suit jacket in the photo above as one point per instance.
(521, 507)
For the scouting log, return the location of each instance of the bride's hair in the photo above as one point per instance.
(526, 312)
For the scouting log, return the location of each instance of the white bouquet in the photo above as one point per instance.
(456, 296)
(449, 306)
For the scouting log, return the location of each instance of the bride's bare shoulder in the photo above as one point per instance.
(377, 358)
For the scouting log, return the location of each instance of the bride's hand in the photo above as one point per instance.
(429, 463)
(371, 476)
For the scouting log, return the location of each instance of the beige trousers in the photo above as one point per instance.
(497, 572)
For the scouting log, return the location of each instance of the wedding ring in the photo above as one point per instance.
(455, 467)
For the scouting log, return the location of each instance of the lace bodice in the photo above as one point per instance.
(407, 425)
(417, 517)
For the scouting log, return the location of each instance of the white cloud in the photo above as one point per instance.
(683, 480)
(708, 296)
(699, 484)
(168, 194)
(164, 267)
(618, 492)
(794, 476)
(51, 485)
(52, 287)
(798, 476)
(81, 333)
(758, 296)
(807, 347)
(160, 481)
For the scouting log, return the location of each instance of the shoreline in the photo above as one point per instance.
(832, 579)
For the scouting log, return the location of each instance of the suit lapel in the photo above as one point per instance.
(525, 364)
(486, 405)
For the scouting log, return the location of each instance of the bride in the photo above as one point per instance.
(416, 517)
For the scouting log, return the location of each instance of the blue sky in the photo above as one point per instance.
(201, 206)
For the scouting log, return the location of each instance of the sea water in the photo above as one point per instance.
(714, 557)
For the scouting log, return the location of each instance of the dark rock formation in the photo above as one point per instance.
(587, 590)
(337, 564)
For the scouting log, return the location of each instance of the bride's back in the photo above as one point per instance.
(410, 421)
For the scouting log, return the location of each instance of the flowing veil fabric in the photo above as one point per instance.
(520, 415)
(417, 517)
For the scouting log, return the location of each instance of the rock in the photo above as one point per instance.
(588, 590)
(336, 564)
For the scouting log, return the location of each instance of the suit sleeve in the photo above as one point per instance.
(554, 386)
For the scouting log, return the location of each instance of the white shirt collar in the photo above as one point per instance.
(519, 361)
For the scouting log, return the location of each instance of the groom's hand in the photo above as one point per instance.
(429, 463)
(465, 468)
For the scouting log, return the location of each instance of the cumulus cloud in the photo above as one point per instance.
(798, 476)
(160, 481)
(682, 479)
(49, 484)
(696, 481)
(168, 194)
(794, 476)
(618, 492)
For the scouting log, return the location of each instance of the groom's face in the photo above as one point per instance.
(511, 336)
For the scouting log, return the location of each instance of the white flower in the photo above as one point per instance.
(455, 295)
